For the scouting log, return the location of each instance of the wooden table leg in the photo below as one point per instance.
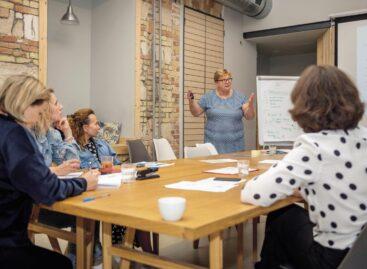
(129, 242)
(106, 244)
(80, 243)
(90, 244)
(240, 255)
(216, 251)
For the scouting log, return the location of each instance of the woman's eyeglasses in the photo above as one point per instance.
(226, 80)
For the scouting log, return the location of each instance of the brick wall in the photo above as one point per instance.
(169, 99)
(18, 37)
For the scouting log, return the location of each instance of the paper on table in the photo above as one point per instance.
(269, 161)
(228, 170)
(219, 161)
(110, 180)
(208, 185)
(71, 175)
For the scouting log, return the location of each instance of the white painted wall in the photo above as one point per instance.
(240, 58)
(69, 55)
(294, 12)
(113, 62)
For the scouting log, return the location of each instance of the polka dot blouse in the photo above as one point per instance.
(330, 170)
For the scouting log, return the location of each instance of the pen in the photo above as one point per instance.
(92, 198)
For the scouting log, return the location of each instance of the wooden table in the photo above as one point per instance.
(135, 206)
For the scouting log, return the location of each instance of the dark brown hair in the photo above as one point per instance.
(324, 98)
(77, 121)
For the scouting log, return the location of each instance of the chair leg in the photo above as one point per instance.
(144, 241)
(55, 244)
(195, 244)
(156, 243)
(255, 221)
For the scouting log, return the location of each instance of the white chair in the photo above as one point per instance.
(192, 152)
(163, 150)
(210, 147)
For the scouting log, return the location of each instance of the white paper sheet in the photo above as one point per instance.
(71, 175)
(208, 185)
(228, 170)
(269, 161)
(219, 161)
(110, 180)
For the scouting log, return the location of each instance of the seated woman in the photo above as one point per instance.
(326, 167)
(85, 127)
(49, 132)
(24, 177)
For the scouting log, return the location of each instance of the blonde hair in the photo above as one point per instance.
(77, 121)
(220, 73)
(45, 121)
(19, 92)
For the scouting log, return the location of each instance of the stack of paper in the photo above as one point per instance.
(228, 170)
(219, 161)
(110, 180)
(269, 161)
(155, 164)
(208, 184)
(71, 175)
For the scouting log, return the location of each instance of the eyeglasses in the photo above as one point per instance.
(225, 80)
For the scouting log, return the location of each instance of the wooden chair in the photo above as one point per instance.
(53, 234)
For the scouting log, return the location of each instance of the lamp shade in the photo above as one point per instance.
(69, 17)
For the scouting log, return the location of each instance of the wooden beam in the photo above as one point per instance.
(42, 46)
(137, 127)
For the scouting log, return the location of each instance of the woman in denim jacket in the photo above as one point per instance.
(54, 139)
(85, 127)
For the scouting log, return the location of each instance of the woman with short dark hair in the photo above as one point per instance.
(326, 168)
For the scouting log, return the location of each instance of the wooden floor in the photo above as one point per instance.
(182, 250)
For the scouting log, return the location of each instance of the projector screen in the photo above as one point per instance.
(352, 52)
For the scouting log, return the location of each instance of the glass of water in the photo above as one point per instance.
(243, 168)
(129, 173)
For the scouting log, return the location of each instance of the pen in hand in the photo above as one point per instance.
(92, 198)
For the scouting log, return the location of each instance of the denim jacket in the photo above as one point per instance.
(88, 160)
(56, 150)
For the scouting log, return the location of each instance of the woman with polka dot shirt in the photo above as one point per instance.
(327, 167)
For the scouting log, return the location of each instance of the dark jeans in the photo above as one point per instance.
(32, 257)
(289, 240)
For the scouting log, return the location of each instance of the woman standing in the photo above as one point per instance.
(327, 167)
(224, 109)
(24, 177)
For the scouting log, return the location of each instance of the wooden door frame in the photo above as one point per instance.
(42, 45)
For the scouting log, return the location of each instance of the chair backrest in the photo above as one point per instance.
(210, 147)
(356, 257)
(163, 150)
(137, 151)
(192, 152)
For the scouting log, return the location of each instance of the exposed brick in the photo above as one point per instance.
(26, 10)
(26, 3)
(19, 53)
(16, 1)
(30, 43)
(6, 51)
(6, 4)
(28, 48)
(22, 60)
(33, 55)
(8, 38)
(34, 4)
(4, 13)
(7, 58)
(10, 45)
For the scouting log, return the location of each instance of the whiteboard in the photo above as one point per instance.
(275, 125)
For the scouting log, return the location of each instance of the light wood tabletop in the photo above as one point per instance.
(135, 205)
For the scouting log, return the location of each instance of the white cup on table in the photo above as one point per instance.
(172, 208)
(243, 167)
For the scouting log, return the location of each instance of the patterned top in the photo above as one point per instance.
(91, 146)
(224, 126)
(330, 169)
(55, 149)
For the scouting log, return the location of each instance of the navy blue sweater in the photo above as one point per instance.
(24, 180)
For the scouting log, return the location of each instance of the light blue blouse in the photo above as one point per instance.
(224, 126)
(55, 149)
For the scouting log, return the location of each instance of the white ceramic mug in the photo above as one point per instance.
(172, 208)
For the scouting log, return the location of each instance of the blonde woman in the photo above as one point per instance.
(224, 109)
(55, 140)
(24, 177)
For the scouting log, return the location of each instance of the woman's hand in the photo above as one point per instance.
(66, 167)
(92, 179)
(195, 109)
(64, 127)
(248, 108)
(190, 96)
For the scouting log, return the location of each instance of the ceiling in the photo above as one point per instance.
(287, 44)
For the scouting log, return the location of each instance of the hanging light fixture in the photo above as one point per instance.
(69, 16)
